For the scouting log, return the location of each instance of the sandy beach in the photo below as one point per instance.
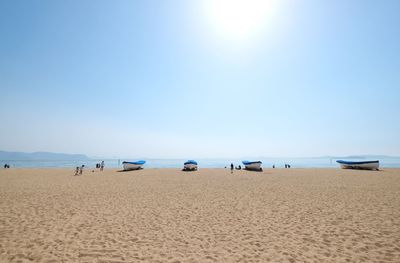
(166, 215)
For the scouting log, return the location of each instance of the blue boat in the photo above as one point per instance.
(366, 165)
(252, 165)
(190, 165)
(133, 165)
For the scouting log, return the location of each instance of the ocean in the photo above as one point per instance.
(320, 162)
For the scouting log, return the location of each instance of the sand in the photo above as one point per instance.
(166, 215)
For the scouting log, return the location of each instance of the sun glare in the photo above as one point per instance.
(239, 19)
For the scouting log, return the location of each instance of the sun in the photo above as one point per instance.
(239, 19)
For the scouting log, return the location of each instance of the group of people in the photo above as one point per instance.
(237, 167)
(100, 166)
(79, 169)
(240, 167)
(286, 166)
(6, 166)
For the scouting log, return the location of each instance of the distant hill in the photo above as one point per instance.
(364, 156)
(41, 156)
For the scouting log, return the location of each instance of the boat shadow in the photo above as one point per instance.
(255, 171)
(188, 171)
(124, 171)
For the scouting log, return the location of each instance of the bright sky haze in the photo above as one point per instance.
(195, 79)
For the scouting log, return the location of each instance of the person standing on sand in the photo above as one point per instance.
(77, 170)
(102, 166)
(81, 170)
(231, 168)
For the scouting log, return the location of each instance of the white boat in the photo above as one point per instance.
(256, 165)
(190, 165)
(133, 165)
(367, 165)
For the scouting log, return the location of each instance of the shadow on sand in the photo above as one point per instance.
(186, 170)
(251, 170)
(124, 171)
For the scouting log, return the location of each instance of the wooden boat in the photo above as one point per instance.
(255, 165)
(190, 165)
(133, 165)
(366, 165)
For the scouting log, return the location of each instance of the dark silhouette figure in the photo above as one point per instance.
(81, 169)
(231, 167)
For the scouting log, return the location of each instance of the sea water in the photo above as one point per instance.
(320, 162)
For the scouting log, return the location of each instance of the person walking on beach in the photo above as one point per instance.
(77, 170)
(81, 170)
(231, 168)
(102, 166)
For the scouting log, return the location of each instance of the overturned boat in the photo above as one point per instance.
(365, 165)
(256, 165)
(190, 165)
(133, 165)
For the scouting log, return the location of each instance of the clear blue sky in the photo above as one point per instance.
(168, 79)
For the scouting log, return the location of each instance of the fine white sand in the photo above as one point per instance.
(166, 215)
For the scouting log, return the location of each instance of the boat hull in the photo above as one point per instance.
(131, 166)
(370, 165)
(256, 166)
(190, 167)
